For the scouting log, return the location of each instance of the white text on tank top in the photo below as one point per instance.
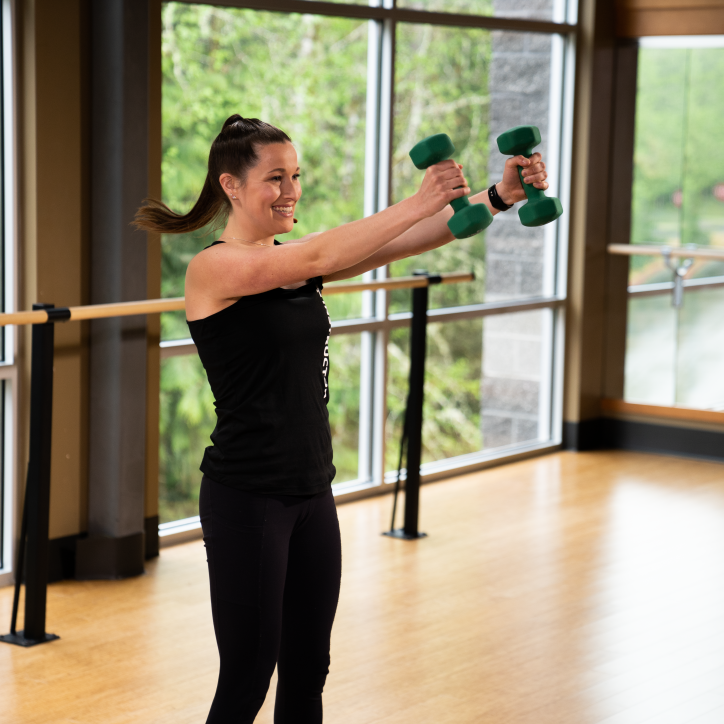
(325, 360)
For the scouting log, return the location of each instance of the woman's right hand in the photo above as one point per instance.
(443, 183)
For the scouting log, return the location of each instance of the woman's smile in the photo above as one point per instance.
(285, 211)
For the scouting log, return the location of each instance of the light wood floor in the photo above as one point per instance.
(568, 589)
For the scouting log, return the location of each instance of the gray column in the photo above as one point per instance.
(119, 183)
(519, 89)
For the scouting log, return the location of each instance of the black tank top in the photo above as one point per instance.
(267, 360)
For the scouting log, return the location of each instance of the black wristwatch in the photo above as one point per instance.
(495, 201)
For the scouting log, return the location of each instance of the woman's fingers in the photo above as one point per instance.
(444, 166)
(450, 176)
(460, 191)
(535, 177)
(449, 172)
(536, 172)
(443, 183)
(533, 171)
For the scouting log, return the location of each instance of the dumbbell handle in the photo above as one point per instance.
(461, 203)
(531, 191)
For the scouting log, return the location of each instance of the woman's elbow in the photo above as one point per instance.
(318, 262)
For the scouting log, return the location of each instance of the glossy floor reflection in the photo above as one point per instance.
(572, 588)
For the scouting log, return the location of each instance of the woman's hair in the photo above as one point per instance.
(234, 151)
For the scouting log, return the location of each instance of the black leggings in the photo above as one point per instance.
(275, 563)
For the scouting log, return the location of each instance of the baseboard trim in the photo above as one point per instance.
(61, 557)
(63, 551)
(106, 558)
(665, 439)
(606, 433)
(585, 435)
(150, 525)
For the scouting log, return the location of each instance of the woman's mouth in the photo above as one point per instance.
(286, 211)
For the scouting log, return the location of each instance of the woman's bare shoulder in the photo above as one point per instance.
(208, 271)
(214, 257)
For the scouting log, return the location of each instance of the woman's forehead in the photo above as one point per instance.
(279, 155)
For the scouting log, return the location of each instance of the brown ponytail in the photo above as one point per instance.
(233, 151)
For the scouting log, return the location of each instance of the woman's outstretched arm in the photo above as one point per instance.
(433, 232)
(233, 270)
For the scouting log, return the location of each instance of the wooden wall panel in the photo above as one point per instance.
(586, 304)
(638, 18)
(54, 237)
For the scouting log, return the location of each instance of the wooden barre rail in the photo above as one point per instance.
(154, 306)
(659, 250)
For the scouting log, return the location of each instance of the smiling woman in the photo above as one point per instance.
(256, 314)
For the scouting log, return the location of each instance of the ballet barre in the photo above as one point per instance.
(32, 555)
(175, 304)
(689, 253)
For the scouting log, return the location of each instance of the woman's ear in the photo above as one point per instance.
(229, 184)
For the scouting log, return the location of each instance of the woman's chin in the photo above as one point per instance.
(284, 226)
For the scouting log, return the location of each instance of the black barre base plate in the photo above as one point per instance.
(19, 639)
(400, 533)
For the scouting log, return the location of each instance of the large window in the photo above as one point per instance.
(675, 356)
(355, 95)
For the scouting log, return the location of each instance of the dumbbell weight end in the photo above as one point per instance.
(460, 204)
(468, 219)
(540, 209)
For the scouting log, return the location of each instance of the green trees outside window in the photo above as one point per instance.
(307, 75)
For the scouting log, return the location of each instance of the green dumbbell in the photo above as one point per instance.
(468, 219)
(539, 209)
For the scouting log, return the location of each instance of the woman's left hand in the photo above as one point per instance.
(510, 188)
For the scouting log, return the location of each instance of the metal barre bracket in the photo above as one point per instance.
(679, 270)
(58, 314)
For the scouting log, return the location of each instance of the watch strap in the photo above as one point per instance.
(495, 200)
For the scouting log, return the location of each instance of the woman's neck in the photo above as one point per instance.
(235, 231)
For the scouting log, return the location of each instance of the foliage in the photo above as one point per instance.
(187, 419)
(441, 86)
(474, 7)
(303, 73)
(344, 399)
(307, 75)
(453, 369)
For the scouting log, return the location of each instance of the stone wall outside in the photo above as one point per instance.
(519, 94)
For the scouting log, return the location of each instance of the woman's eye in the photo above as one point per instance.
(296, 175)
(276, 178)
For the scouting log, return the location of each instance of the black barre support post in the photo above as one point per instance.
(36, 510)
(413, 414)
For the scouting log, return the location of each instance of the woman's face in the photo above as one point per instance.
(265, 203)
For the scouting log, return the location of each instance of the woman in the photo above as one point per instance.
(256, 313)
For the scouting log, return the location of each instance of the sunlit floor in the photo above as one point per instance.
(572, 588)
